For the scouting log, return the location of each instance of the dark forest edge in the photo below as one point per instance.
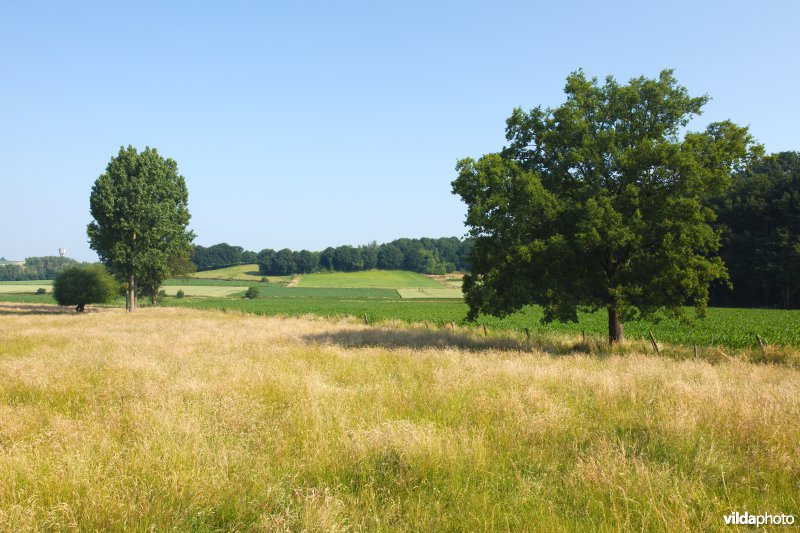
(424, 255)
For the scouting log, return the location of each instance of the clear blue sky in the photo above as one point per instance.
(310, 124)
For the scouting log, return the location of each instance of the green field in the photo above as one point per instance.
(431, 293)
(378, 279)
(239, 272)
(207, 290)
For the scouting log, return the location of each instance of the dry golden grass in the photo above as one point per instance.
(191, 420)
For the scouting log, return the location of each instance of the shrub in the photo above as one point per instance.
(41, 290)
(251, 293)
(179, 294)
(81, 285)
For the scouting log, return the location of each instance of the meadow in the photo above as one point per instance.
(179, 419)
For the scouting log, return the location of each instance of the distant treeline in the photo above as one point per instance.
(760, 222)
(425, 255)
(36, 268)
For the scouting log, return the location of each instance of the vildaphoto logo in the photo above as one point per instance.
(746, 519)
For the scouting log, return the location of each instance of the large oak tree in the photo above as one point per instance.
(141, 214)
(601, 202)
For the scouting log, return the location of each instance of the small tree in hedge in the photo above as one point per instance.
(82, 285)
(251, 293)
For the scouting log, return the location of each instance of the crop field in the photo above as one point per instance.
(378, 279)
(214, 421)
(431, 293)
(207, 290)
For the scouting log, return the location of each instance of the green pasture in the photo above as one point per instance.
(378, 279)
(238, 272)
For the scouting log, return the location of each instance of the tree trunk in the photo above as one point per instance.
(132, 294)
(616, 332)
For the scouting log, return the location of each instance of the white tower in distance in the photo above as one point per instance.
(62, 252)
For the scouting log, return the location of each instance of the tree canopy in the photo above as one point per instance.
(141, 214)
(602, 202)
(760, 221)
(82, 285)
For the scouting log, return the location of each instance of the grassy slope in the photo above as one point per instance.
(239, 272)
(215, 422)
(386, 279)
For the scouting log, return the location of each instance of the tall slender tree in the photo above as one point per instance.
(141, 215)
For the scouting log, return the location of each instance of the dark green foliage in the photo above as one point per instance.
(179, 294)
(326, 259)
(41, 290)
(601, 203)
(82, 285)
(265, 259)
(390, 257)
(369, 255)
(283, 263)
(252, 292)
(347, 259)
(306, 262)
(182, 264)
(222, 255)
(760, 219)
(428, 256)
(140, 211)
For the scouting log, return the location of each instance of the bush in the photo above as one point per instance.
(251, 293)
(41, 290)
(82, 285)
(179, 294)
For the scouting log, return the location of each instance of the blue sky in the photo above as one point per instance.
(304, 125)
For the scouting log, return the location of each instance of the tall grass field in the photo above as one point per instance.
(178, 419)
(188, 420)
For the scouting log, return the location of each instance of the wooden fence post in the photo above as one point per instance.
(653, 341)
(761, 344)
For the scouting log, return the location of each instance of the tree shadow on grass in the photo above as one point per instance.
(436, 338)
